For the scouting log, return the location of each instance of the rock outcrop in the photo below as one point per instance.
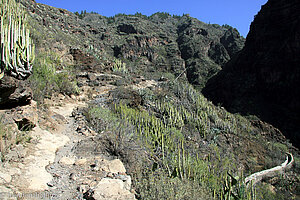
(14, 92)
(264, 78)
(205, 48)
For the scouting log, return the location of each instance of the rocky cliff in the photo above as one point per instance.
(161, 42)
(264, 78)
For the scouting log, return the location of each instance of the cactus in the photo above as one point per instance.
(16, 46)
(119, 66)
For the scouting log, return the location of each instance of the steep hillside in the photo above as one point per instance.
(161, 42)
(264, 78)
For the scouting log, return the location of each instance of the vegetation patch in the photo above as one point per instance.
(176, 143)
(10, 137)
(46, 80)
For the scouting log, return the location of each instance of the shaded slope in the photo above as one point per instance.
(264, 78)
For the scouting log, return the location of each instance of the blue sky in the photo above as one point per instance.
(236, 13)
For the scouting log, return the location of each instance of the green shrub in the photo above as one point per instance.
(158, 185)
(176, 133)
(82, 14)
(169, 163)
(45, 79)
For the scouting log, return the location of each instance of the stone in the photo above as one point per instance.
(92, 77)
(83, 188)
(85, 60)
(73, 177)
(126, 179)
(16, 154)
(82, 161)
(50, 184)
(26, 117)
(59, 118)
(67, 161)
(61, 97)
(113, 166)
(112, 189)
(110, 175)
(73, 97)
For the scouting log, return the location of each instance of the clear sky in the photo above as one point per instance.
(236, 13)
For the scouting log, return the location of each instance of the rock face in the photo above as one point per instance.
(159, 43)
(264, 78)
(205, 48)
(14, 92)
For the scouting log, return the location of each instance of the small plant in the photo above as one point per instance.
(119, 66)
(10, 138)
(6, 138)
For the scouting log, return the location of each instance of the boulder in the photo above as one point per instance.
(113, 166)
(112, 189)
(67, 161)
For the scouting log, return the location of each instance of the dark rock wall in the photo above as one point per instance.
(264, 78)
(14, 92)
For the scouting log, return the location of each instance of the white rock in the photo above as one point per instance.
(81, 161)
(4, 178)
(67, 161)
(114, 166)
(127, 183)
(73, 97)
(110, 189)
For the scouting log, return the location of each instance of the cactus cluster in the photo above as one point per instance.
(17, 48)
(164, 141)
(119, 66)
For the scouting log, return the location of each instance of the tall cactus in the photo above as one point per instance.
(17, 48)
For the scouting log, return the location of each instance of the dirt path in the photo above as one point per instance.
(58, 166)
(64, 161)
(29, 175)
